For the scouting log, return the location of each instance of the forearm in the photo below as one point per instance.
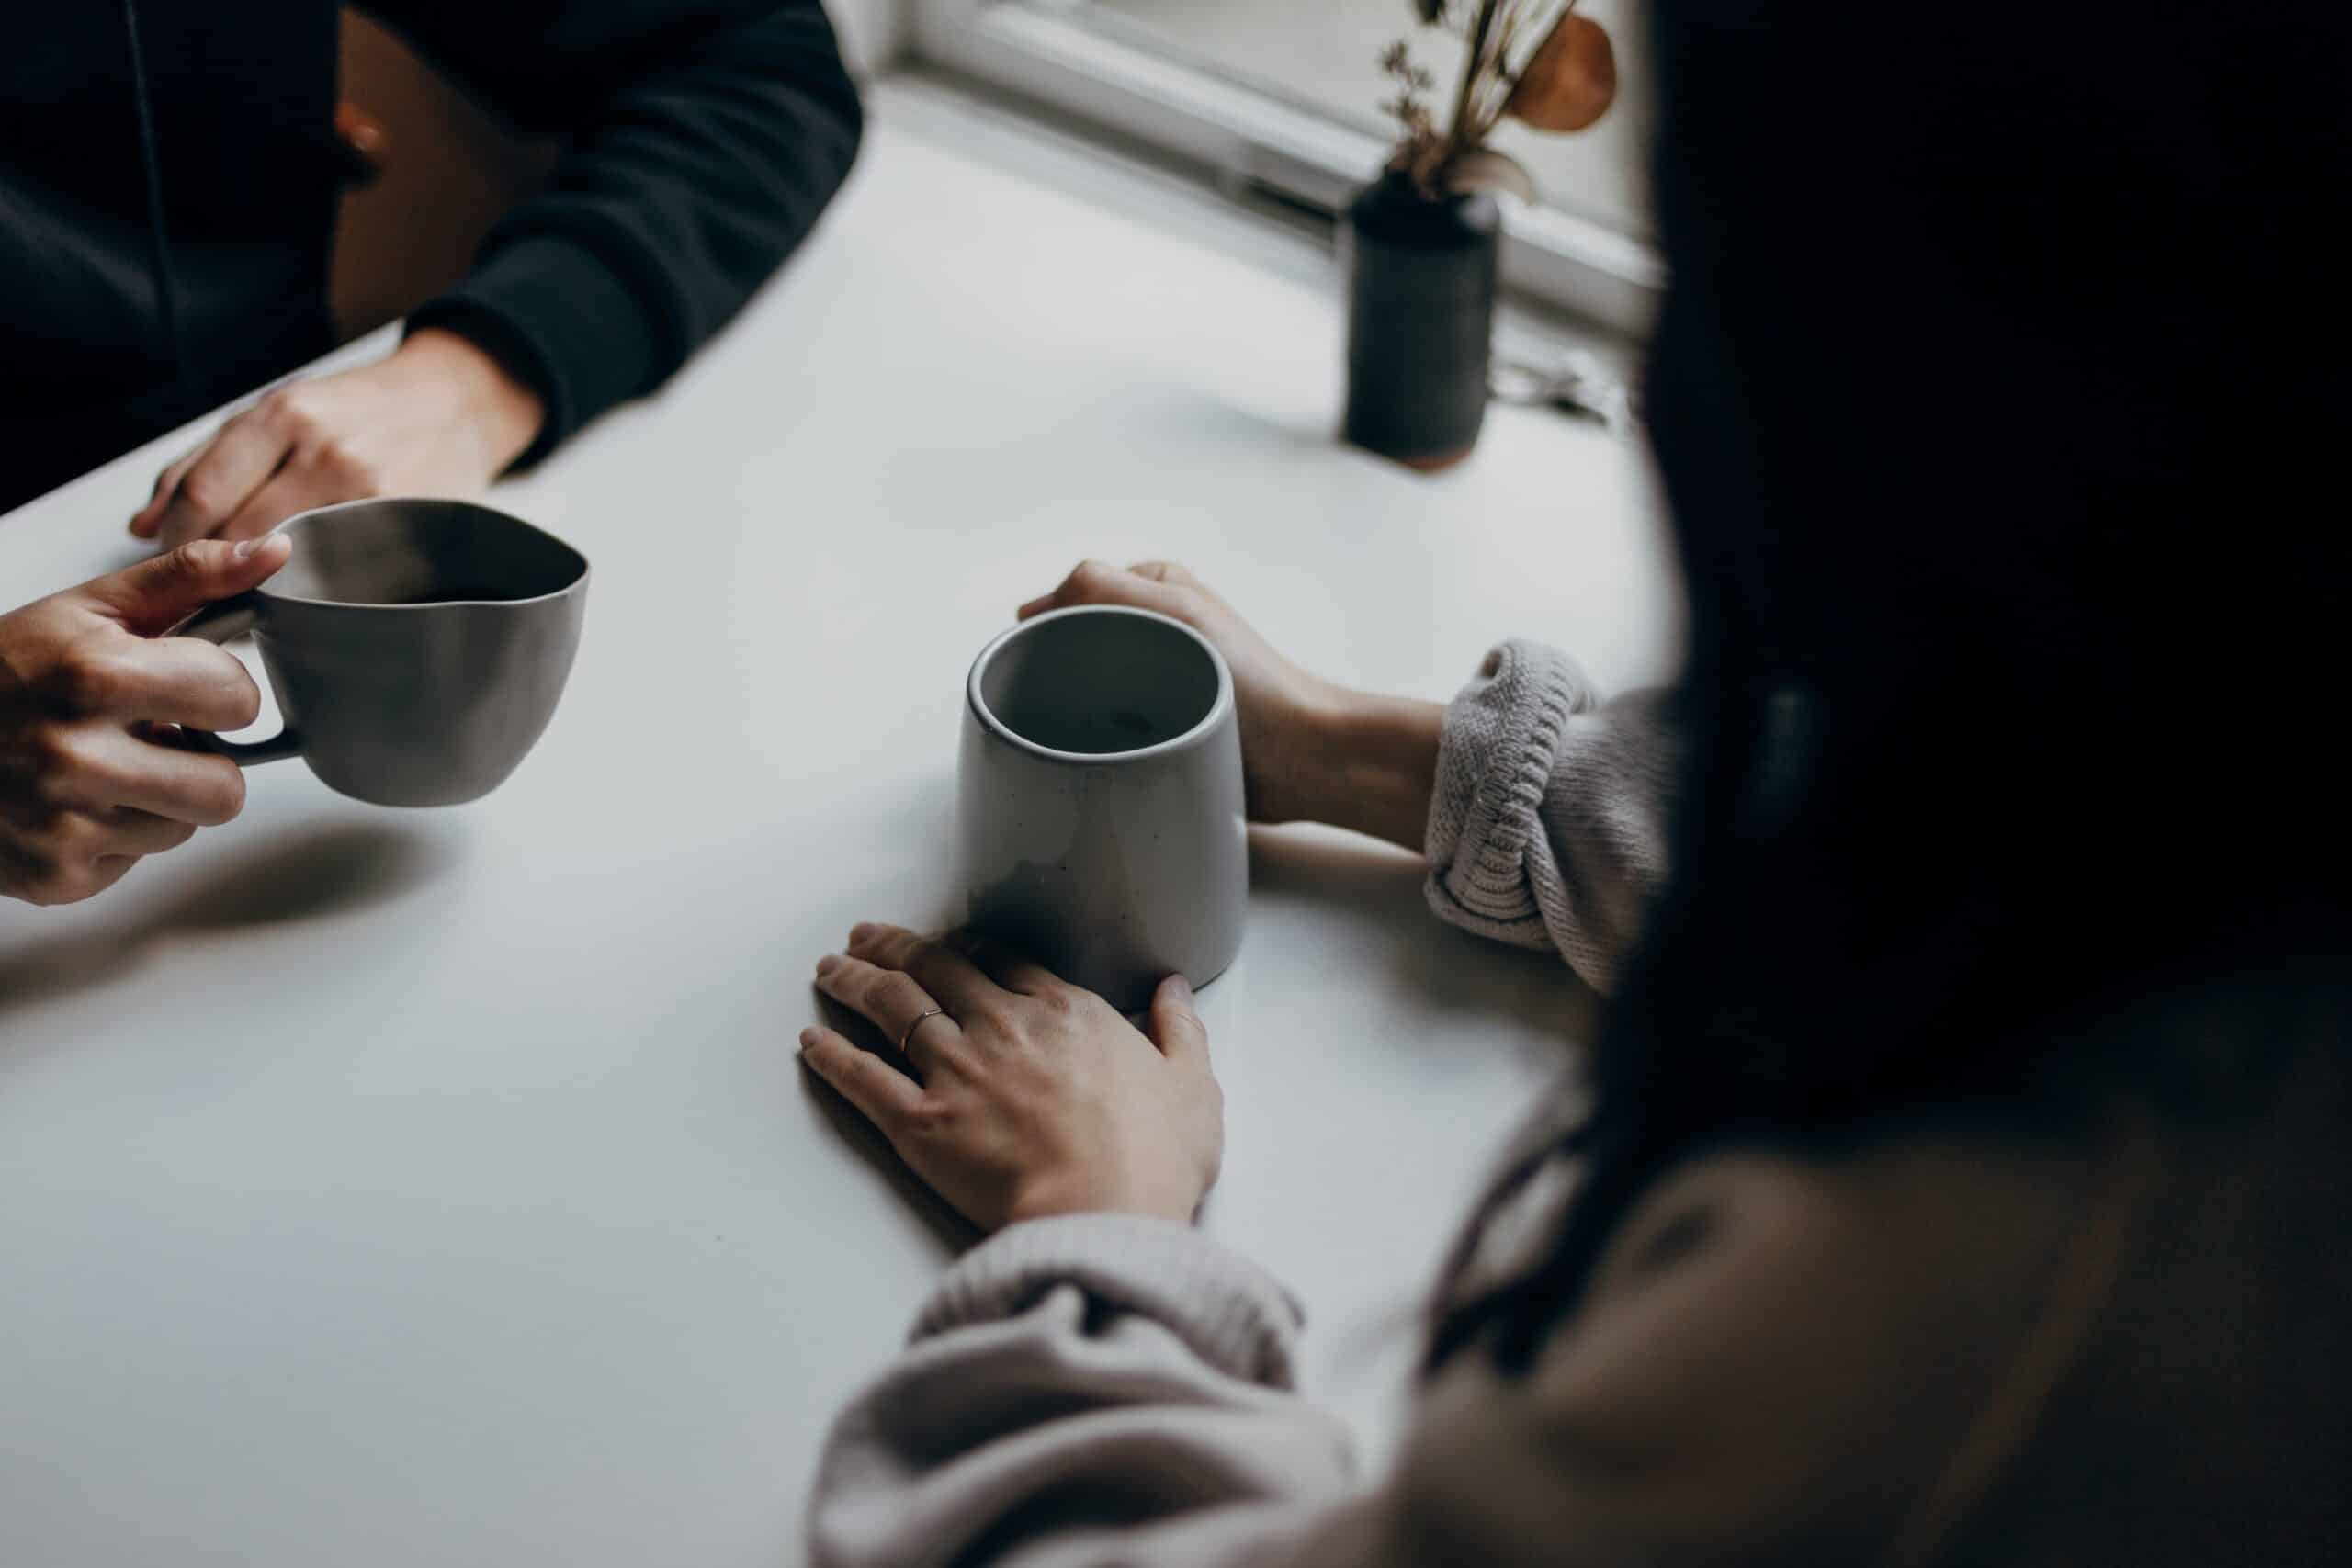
(1368, 764)
(1092, 1387)
(490, 405)
(1542, 808)
(702, 141)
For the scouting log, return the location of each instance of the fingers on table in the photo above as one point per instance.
(1173, 1026)
(225, 474)
(895, 1003)
(167, 484)
(295, 489)
(1008, 970)
(882, 1094)
(947, 975)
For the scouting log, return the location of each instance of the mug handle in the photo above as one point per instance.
(225, 621)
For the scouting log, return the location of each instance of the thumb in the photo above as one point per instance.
(1173, 1026)
(149, 597)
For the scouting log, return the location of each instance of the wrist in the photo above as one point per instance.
(1376, 764)
(1286, 751)
(500, 411)
(1047, 1199)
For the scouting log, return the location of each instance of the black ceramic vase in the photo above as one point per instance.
(1421, 281)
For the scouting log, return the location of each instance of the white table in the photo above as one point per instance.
(441, 1187)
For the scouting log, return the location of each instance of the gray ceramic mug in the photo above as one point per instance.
(417, 647)
(1100, 806)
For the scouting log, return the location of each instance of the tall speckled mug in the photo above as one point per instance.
(417, 647)
(1099, 808)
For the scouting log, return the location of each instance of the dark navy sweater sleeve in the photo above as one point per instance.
(702, 138)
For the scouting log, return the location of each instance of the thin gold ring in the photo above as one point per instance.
(910, 1033)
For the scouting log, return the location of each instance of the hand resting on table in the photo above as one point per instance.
(1018, 1096)
(439, 417)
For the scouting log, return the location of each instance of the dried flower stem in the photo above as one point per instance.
(1472, 69)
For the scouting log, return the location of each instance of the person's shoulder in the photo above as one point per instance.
(1775, 1351)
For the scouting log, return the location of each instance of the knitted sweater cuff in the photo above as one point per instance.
(1495, 760)
(1225, 1308)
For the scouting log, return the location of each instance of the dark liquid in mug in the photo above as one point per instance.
(1097, 685)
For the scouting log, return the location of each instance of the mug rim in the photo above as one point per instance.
(1197, 735)
(265, 591)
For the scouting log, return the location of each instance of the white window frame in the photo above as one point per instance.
(1247, 139)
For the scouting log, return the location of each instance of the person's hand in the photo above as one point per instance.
(439, 417)
(1281, 706)
(1311, 750)
(89, 690)
(1024, 1096)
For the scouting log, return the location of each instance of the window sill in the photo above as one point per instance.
(1240, 142)
(1152, 185)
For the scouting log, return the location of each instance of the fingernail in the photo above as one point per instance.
(859, 932)
(828, 963)
(1182, 987)
(807, 1037)
(245, 547)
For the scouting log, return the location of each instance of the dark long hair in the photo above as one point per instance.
(2004, 396)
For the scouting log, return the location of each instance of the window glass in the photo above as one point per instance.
(1324, 55)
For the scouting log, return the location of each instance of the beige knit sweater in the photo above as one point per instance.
(1817, 1376)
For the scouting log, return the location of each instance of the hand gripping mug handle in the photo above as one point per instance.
(223, 621)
